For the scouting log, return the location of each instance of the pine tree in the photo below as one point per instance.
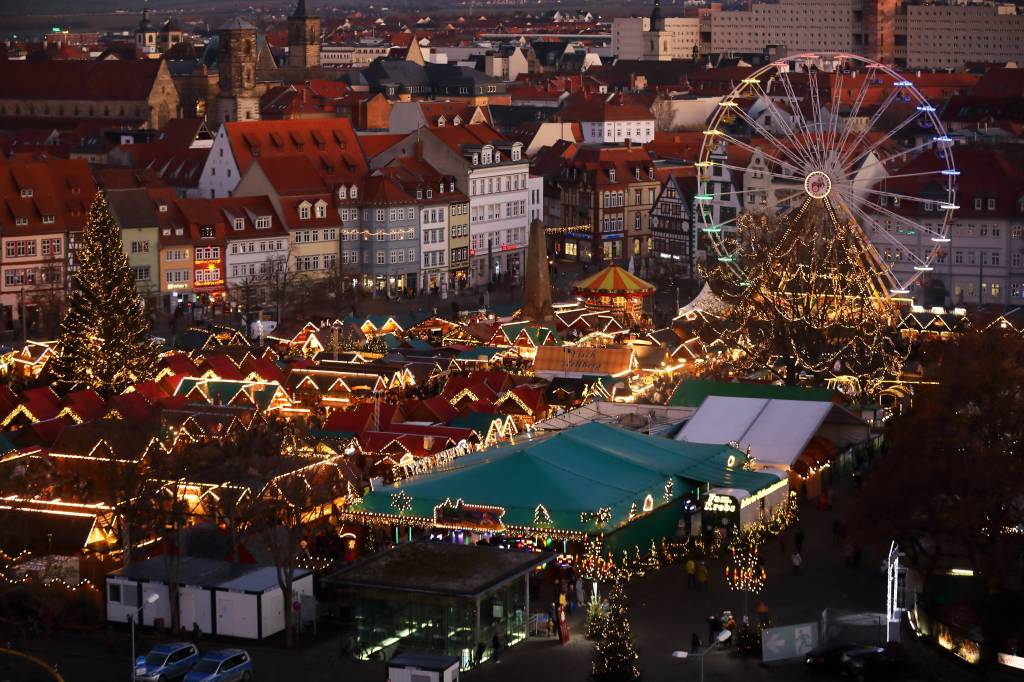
(104, 340)
(615, 656)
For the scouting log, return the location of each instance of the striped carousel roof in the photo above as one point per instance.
(613, 280)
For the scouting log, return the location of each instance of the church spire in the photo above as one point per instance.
(657, 21)
(302, 10)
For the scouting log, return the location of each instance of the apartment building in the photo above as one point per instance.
(43, 203)
(631, 38)
(256, 247)
(984, 260)
(608, 192)
(673, 233)
(136, 213)
(495, 176)
(949, 36)
(609, 122)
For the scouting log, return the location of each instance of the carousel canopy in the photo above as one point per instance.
(613, 280)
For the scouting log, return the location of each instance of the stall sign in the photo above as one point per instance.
(720, 503)
(474, 517)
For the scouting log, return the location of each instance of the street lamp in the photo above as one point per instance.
(722, 637)
(151, 599)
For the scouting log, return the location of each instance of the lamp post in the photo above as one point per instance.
(723, 636)
(151, 599)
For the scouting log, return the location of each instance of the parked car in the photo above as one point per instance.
(874, 663)
(226, 665)
(166, 662)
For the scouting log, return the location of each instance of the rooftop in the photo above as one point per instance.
(440, 568)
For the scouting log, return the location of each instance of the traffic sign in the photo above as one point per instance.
(788, 641)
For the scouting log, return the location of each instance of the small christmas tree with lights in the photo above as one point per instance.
(615, 655)
(745, 571)
(104, 341)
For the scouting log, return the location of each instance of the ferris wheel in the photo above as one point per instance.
(838, 129)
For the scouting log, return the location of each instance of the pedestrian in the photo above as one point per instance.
(797, 561)
(798, 540)
(691, 573)
(695, 643)
(581, 592)
(730, 625)
(196, 632)
(702, 575)
(552, 619)
(480, 649)
(496, 644)
(762, 614)
(714, 626)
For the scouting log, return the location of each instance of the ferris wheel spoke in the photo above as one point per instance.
(798, 143)
(833, 110)
(798, 113)
(812, 81)
(852, 156)
(768, 135)
(897, 196)
(741, 169)
(750, 148)
(851, 117)
(900, 176)
(888, 236)
(903, 219)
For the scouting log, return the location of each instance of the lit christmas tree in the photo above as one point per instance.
(615, 656)
(745, 572)
(104, 341)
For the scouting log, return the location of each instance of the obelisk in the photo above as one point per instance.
(537, 288)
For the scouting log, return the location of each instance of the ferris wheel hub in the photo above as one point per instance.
(817, 184)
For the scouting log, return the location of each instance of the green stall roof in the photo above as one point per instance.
(582, 469)
(692, 392)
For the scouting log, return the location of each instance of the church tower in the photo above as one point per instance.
(303, 37)
(145, 34)
(236, 72)
(656, 40)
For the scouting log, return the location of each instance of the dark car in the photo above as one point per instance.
(829, 659)
(166, 662)
(873, 663)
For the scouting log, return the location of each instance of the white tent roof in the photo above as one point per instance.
(777, 431)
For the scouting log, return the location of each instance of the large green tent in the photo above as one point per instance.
(692, 392)
(587, 480)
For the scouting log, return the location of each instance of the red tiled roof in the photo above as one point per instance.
(60, 188)
(42, 402)
(133, 407)
(333, 139)
(87, 404)
(127, 80)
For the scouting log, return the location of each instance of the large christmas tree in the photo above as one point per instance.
(615, 655)
(104, 340)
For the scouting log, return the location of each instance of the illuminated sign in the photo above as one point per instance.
(464, 516)
(720, 503)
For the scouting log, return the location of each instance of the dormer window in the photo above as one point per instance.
(48, 220)
(497, 157)
(238, 224)
(486, 154)
(207, 232)
(991, 204)
(321, 209)
(440, 189)
(611, 174)
(343, 192)
(262, 222)
(650, 172)
(451, 188)
(179, 231)
(26, 193)
(476, 159)
(166, 232)
(430, 193)
(517, 153)
(977, 203)
(353, 192)
(440, 121)
(162, 208)
(419, 193)
(457, 120)
(304, 210)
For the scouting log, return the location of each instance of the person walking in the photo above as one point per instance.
(695, 643)
(691, 573)
(797, 562)
(702, 575)
(581, 592)
(714, 627)
(730, 625)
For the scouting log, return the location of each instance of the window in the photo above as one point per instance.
(380, 258)
(137, 247)
(207, 232)
(411, 257)
(262, 222)
(141, 273)
(611, 174)
(238, 224)
(381, 215)
(991, 204)
(114, 593)
(977, 203)
(353, 192)
(304, 212)
(48, 220)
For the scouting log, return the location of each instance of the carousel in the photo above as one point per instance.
(615, 291)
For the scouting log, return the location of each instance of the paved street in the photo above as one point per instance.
(664, 614)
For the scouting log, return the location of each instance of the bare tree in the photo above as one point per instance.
(807, 300)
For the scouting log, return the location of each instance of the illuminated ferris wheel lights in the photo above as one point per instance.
(949, 207)
(726, 259)
(940, 240)
(951, 172)
(704, 197)
(713, 132)
(945, 139)
(714, 229)
(704, 164)
(903, 84)
(926, 108)
(923, 268)
(729, 103)
(751, 81)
